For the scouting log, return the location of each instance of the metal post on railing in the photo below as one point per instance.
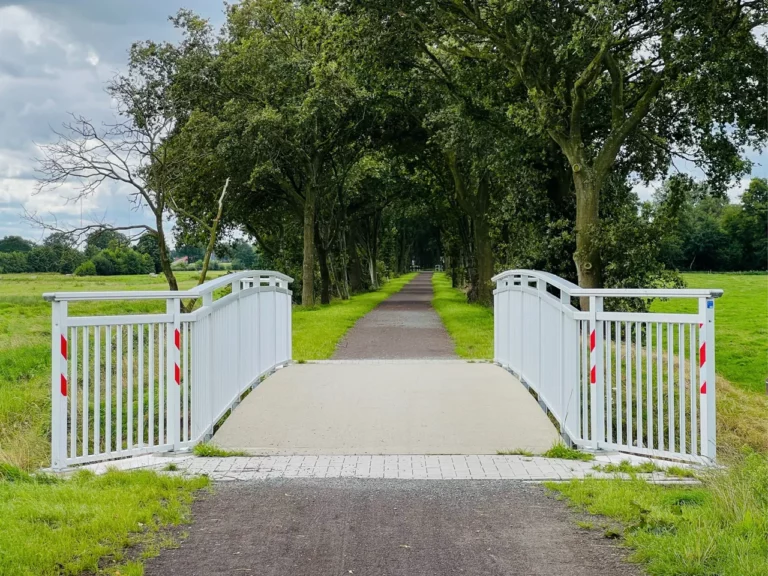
(173, 378)
(707, 377)
(596, 374)
(59, 384)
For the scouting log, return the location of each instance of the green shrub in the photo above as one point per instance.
(13, 262)
(87, 268)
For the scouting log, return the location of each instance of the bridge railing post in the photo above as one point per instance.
(596, 373)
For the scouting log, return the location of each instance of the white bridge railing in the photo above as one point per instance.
(130, 384)
(641, 383)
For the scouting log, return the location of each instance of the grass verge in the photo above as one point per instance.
(317, 331)
(469, 325)
(720, 527)
(52, 526)
(207, 450)
(560, 450)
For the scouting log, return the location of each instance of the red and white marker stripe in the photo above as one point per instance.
(63, 385)
(592, 358)
(177, 369)
(702, 360)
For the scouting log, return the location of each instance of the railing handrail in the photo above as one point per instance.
(196, 292)
(573, 290)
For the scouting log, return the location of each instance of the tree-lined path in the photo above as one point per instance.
(403, 326)
(394, 387)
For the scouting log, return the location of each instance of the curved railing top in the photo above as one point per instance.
(573, 290)
(197, 292)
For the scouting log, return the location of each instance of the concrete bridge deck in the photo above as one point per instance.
(388, 407)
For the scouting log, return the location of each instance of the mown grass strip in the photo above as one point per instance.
(52, 526)
(720, 527)
(469, 325)
(317, 331)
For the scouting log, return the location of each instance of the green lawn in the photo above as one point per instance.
(717, 528)
(317, 331)
(470, 325)
(741, 325)
(87, 523)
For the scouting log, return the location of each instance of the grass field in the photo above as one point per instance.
(25, 355)
(741, 325)
(469, 325)
(317, 331)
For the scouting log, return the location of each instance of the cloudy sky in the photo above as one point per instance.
(55, 58)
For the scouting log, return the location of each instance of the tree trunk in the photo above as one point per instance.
(372, 272)
(343, 262)
(165, 261)
(587, 256)
(325, 275)
(308, 266)
(355, 269)
(483, 289)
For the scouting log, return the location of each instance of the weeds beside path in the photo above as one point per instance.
(317, 331)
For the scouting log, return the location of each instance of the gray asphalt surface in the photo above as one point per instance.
(403, 326)
(387, 528)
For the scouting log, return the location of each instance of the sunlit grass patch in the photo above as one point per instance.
(54, 526)
(469, 325)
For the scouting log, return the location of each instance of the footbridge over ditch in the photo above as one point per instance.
(135, 383)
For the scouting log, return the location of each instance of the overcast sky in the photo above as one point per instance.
(55, 58)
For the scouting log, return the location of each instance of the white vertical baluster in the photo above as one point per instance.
(671, 385)
(97, 390)
(108, 390)
(619, 387)
(151, 398)
(649, 384)
(129, 335)
(694, 393)
(659, 389)
(681, 384)
(584, 343)
(161, 383)
(140, 420)
(628, 383)
(119, 390)
(73, 394)
(609, 381)
(185, 363)
(86, 371)
(639, 384)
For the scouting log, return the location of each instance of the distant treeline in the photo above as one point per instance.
(107, 253)
(704, 231)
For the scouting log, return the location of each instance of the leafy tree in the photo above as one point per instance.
(15, 244)
(147, 244)
(13, 262)
(630, 83)
(99, 240)
(42, 259)
(87, 268)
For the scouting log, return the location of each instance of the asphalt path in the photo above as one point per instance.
(338, 527)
